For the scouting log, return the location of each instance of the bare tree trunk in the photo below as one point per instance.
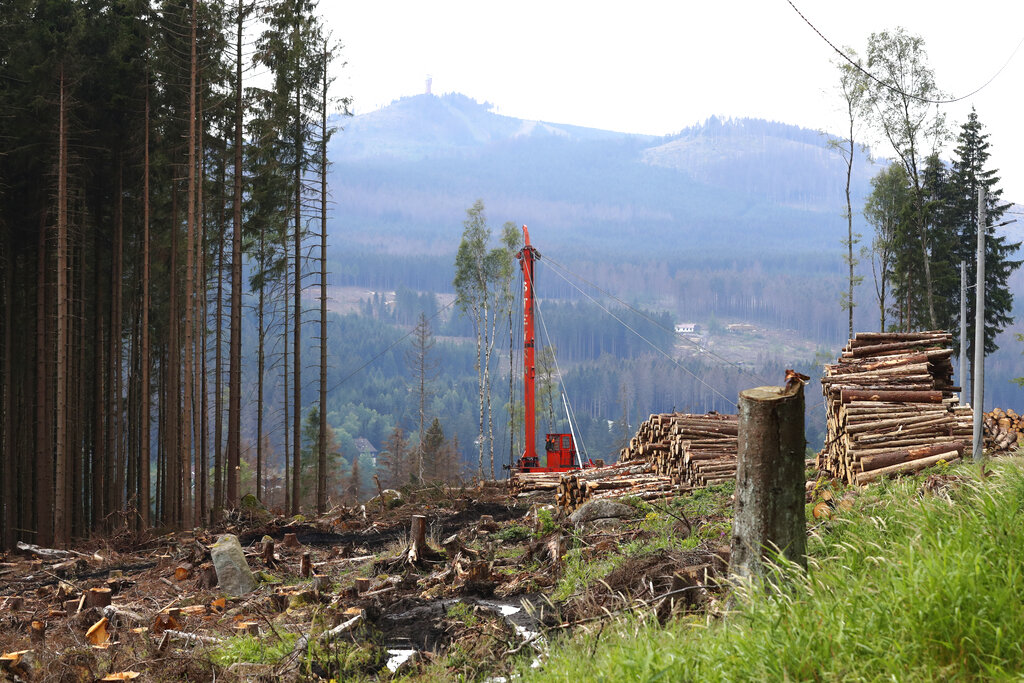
(172, 397)
(489, 334)
(99, 449)
(116, 352)
(480, 388)
(145, 356)
(61, 523)
(218, 400)
(297, 320)
(321, 467)
(849, 219)
(44, 454)
(78, 485)
(235, 348)
(202, 461)
(189, 308)
(260, 367)
(7, 471)
(290, 485)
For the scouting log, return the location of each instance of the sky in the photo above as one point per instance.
(658, 67)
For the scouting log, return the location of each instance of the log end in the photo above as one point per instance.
(766, 394)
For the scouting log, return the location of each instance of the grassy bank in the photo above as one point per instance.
(906, 586)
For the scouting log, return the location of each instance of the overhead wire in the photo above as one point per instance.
(893, 87)
(558, 371)
(642, 314)
(388, 348)
(654, 346)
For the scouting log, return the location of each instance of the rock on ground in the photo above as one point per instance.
(233, 574)
(601, 509)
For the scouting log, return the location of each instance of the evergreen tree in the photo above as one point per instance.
(434, 454)
(395, 457)
(968, 174)
(424, 370)
(310, 473)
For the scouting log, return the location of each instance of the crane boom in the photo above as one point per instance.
(527, 255)
(560, 448)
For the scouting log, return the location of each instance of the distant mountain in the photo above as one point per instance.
(732, 219)
(404, 175)
(426, 126)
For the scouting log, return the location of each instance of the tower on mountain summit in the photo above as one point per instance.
(429, 79)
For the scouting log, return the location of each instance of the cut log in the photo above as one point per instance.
(850, 395)
(906, 467)
(881, 460)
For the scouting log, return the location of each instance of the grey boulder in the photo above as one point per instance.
(601, 509)
(233, 574)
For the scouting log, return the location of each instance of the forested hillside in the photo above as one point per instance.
(169, 225)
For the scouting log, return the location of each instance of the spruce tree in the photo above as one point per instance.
(968, 174)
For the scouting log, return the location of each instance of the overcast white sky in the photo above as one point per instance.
(657, 67)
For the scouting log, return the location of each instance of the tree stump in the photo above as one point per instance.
(97, 597)
(306, 566)
(247, 628)
(321, 583)
(362, 585)
(769, 511)
(207, 576)
(279, 601)
(291, 541)
(268, 552)
(38, 631)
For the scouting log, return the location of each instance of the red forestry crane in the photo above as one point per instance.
(561, 448)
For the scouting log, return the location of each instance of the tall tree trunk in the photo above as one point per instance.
(297, 321)
(849, 220)
(321, 468)
(116, 351)
(290, 485)
(172, 397)
(61, 522)
(7, 472)
(145, 358)
(218, 400)
(44, 453)
(99, 447)
(201, 311)
(189, 307)
(235, 350)
(260, 366)
(77, 488)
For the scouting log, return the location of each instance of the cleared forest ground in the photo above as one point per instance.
(917, 579)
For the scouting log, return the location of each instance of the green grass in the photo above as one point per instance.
(902, 588)
(266, 650)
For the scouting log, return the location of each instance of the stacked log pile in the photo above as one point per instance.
(527, 482)
(671, 453)
(692, 450)
(634, 479)
(1004, 431)
(891, 407)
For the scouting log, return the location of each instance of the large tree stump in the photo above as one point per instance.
(417, 538)
(97, 597)
(769, 511)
